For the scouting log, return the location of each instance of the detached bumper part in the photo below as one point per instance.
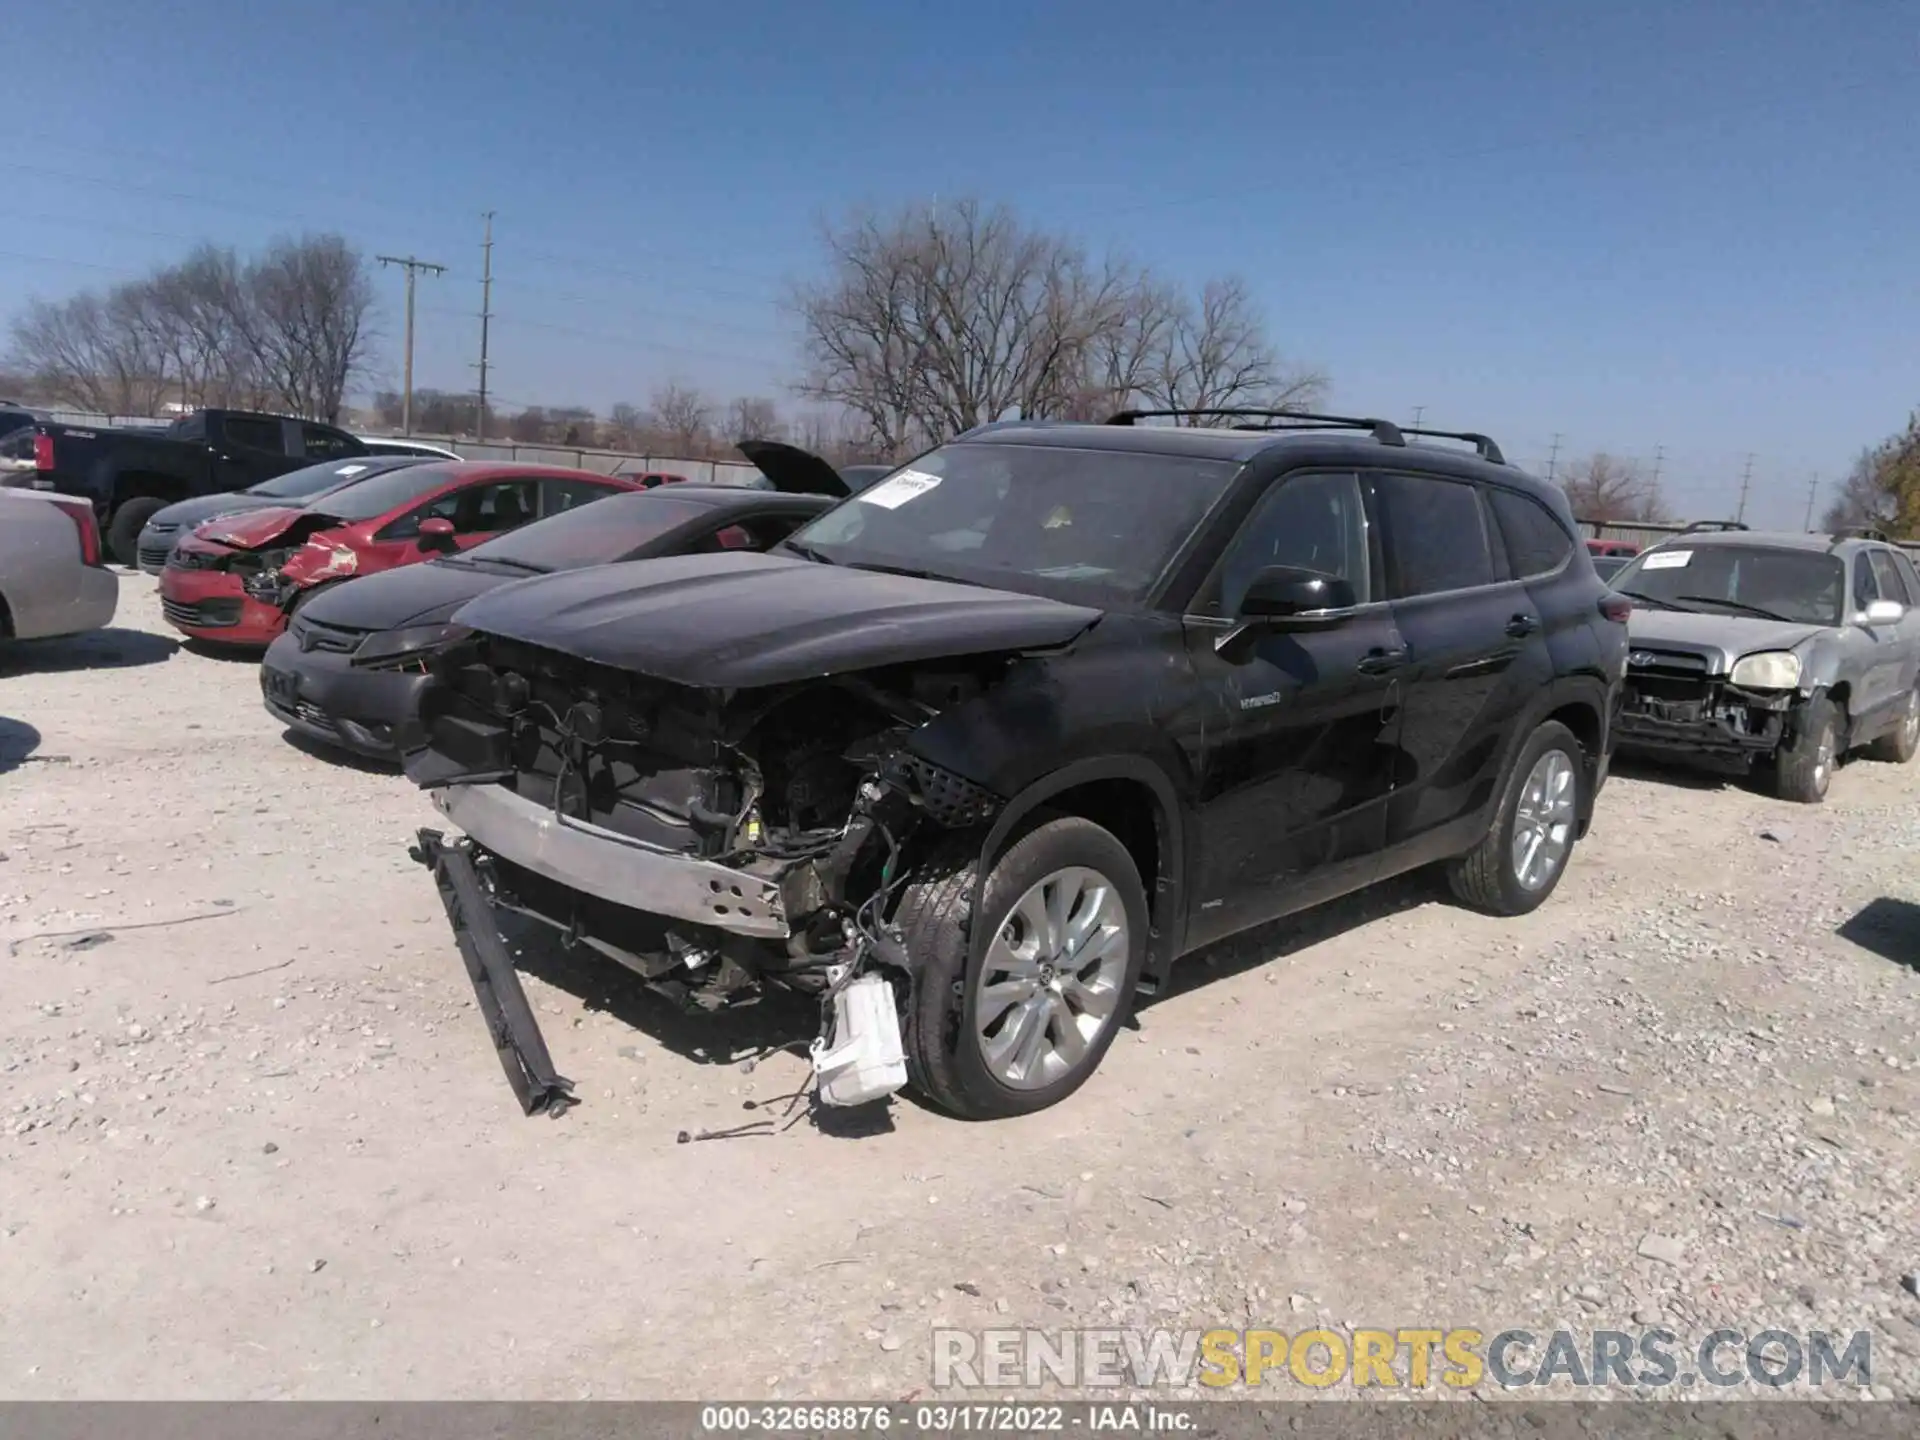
(615, 867)
(503, 1004)
(865, 1060)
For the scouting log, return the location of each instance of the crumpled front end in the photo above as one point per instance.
(716, 842)
(1672, 702)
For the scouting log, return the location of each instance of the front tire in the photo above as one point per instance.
(1013, 1016)
(1520, 860)
(1899, 744)
(1804, 767)
(123, 531)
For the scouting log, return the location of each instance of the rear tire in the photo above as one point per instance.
(1076, 994)
(1804, 767)
(123, 531)
(1900, 744)
(1539, 808)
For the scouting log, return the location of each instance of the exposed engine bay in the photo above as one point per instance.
(715, 842)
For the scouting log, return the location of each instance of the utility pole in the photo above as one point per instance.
(1659, 463)
(413, 267)
(1418, 411)
(1813, 491)
(486, 316)
(1746, 480)
(1553, 457)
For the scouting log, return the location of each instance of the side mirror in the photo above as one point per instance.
(1884, 612)
(436, 533)
(1281, 597)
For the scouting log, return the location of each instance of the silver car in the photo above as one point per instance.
(53, 575)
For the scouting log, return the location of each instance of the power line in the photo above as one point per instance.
(413, 267)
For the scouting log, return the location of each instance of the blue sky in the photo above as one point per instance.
(1633, 225)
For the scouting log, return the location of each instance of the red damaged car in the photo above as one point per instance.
(237, 581)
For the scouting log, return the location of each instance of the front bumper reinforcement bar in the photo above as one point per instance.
(503, 1003)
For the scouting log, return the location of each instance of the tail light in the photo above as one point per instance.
(43, 452)
(1615, 607)
(82, 516)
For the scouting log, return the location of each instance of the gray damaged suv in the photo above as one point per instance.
(1781, 651)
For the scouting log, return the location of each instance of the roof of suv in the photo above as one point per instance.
(1347, 442)
(1775, 539)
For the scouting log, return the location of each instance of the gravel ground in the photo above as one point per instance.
(268, 1152)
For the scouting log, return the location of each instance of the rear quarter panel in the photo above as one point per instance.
(46, 589)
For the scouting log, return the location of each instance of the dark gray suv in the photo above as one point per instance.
(1784, 651)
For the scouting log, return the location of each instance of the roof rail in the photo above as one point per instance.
(1699, 525)
(1862, 532)
(1385, 431)
(1482, 444)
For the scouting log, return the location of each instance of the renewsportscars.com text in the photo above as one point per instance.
(1412, 1358)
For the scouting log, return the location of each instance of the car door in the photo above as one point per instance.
(1465, 622)
(252, 448)
(1888, 648)
(478, 511)
(1294, 757)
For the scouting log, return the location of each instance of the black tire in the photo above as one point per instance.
(1485, 876)
(1900, 744)
(1804, 767)
(123, 531)
(944, 1058)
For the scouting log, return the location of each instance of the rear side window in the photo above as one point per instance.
(257, 435)
(1907, 572)
(1892, 587)
(1436, 535)
(562, 495)
(1866, 587)
(1535, 542)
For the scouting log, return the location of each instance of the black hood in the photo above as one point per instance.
(739, 620)
(793, 470)
(188, 513)
(411, 595)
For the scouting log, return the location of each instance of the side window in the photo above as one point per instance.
(557, 496)
(320, 443)
(264, 435)
(1535, 542)
(1892, 587)
(1310, 522)
(1866, 589)
(758, 533)
(1907, 572)
(1436, 535)
(476, 510)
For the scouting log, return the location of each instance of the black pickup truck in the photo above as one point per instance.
(129, 474)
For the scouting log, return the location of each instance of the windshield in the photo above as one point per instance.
(596, 533)
(306, 483)
(1807, 586)
(1089, 525)
(391, 488)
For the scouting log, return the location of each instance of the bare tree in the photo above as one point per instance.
(305, 314)
(1214, 356)
(625, 425)
(1606, 488)
(89, 352)
(682, 418)
(753, 417)
(931, 322)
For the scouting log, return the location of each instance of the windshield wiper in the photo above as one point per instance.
(807, 552)
(1737, 605)
(503, 561)
(1655, 600)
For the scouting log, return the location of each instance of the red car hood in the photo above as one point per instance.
(254, 528)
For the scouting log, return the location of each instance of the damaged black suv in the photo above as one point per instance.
(979, 753)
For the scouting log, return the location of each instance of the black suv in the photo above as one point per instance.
(997, 740)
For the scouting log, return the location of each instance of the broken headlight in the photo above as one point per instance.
(405, 649)
(1769, 670)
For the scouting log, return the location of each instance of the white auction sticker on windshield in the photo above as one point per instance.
(896, 490)
(349, 469)
(1668, 560)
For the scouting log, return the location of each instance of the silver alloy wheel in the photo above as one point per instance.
(1050, 982)
(1543, 821)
